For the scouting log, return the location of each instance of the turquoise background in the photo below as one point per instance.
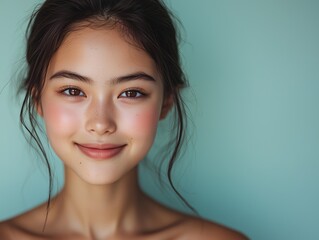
(252, 163)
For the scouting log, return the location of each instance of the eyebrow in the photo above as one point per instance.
(75, 76)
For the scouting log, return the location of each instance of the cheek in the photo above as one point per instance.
(59, 119)
(142, 123)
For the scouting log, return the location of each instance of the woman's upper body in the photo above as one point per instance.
(101, 75)
(131, 215)
(166, 225)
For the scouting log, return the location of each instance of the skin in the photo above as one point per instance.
(90, 97)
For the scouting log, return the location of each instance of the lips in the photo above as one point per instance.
(100, 151)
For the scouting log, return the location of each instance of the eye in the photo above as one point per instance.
(73, 92)
(132, 94)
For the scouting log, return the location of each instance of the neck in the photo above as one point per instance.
(100, 209)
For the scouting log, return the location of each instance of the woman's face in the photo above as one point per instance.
(101, 103)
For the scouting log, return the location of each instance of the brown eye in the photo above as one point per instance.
(132, 94)
(73, 92)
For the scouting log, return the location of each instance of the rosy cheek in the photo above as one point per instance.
(59, 118)
(148, 120)
(142, 123)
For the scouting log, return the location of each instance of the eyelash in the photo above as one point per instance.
(80, 93)
(68, 89)
(139, 93)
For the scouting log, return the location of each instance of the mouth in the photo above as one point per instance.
(100, 151)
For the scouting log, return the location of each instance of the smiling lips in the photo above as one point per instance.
(101, 152)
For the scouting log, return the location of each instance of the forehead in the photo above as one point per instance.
(101, 53)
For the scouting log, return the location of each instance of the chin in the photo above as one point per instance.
(101, 176)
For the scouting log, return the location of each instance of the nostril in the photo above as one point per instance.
(100, 127)
(99, 116)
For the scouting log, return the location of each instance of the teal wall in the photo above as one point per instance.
(253, 161)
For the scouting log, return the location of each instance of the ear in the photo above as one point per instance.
(38, 107)
(36, 103)
(167, 106)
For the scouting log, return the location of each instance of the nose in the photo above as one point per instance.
(100, 118)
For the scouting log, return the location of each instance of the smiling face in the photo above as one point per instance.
(101, 104)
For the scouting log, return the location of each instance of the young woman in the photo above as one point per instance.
(101, 75)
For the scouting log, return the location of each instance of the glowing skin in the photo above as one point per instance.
(101, 104)
(92, 108)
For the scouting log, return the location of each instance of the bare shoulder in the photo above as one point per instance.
(196, 228)
(181, 226)
(24, 226)
(9, 230)
(5, 229)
